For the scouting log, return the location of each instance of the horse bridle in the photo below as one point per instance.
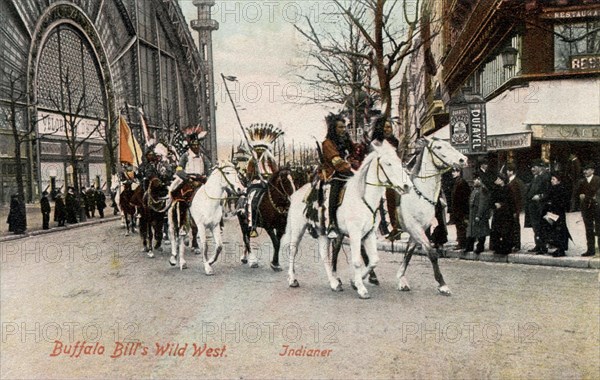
(229, 184)
(279, 209)
(388, 184)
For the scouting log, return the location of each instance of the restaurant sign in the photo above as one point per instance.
(468, 129)
(510, 141)
(559, 132)
(585, 62)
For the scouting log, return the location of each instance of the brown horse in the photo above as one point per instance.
(128, 209)
(271, 214)
(152, 205)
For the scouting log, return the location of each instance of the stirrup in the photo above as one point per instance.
(395, 234)
(253, 233)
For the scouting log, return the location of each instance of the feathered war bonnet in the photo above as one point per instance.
(263, 135)
(194, 134)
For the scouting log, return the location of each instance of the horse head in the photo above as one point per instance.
(232, 177)
(390, 171)
(443, 154)
(282, 183)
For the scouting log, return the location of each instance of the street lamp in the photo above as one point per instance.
(509, 57)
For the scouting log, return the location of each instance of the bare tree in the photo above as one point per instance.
(16, 98)
(70, 107)
(385, 40)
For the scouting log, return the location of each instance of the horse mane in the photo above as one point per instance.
(416, 169)
(361, 175)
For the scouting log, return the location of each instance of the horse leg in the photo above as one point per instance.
(324, 246)
(203, 245)
(335, 251)
(276, 240)
(126, 225)
(291, 240)
(369, 254)
(158, 233)
(437, 273)
(402, 281)
(372, 276)
(173, 235)
(359, 267)
(218, 238)
(194, 237)
(245, 238)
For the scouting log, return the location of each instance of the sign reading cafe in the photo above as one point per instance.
(52, 124)
(468, 128)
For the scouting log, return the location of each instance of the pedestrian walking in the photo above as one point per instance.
(503, 217)
(100, 202)
(535, 200)
(589, 197)
(60, 212)
(16, 220)
(459, 211)
(89, 198)
(479, 214)
(71, 206)
(554, 221)
(517, 191)
(45, 208)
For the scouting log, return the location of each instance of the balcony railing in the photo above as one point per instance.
(204, 24)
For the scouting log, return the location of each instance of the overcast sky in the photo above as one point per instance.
(257, 43)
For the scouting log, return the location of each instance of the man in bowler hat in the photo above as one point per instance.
(588, 189)
(534, 202)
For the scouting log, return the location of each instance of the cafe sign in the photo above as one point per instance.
(51, 124)
(510, 141)
(558, 132)
(468, 128)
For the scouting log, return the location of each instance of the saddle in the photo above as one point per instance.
(185, 192)
(317, 202)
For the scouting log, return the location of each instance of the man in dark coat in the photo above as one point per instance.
(478, 226)
(90, 201)
(60, 212)
(72, 206)
(554, 221)
(588, 190)
(503, 220)
(486, 176)
(517, 192)
(16, 220)
(100, 201)
(459, 210)
(573, 173)
(535, 200)
(45, 207)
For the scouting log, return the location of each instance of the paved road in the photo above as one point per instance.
(503, 320)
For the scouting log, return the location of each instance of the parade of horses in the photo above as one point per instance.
(172, 194)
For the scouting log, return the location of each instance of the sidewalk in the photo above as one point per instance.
(34, 222)
(572, 260)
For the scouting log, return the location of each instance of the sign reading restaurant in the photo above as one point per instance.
(52, 124)
(468, 128)
(585, 62)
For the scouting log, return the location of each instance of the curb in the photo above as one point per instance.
(58, 229)
(488, 256)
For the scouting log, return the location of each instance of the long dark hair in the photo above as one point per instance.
(378, 132)
(343, 143)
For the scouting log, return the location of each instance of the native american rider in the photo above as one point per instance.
(261, 166)
(193, 165)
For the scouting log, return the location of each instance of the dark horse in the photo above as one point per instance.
(271, 213)
(152, 205)
(126, 207)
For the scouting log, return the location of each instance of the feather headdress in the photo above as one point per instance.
(263, 135)
(195, 132)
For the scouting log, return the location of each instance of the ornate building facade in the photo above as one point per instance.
(529, 70)
(86, 62)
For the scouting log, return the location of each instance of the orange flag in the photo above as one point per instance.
(129, 150)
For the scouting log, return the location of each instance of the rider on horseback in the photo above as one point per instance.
(337, 165)
(193, 164)
(261, 166)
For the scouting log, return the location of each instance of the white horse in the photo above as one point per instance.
(417, 209)
(207, 211)
(356, 215)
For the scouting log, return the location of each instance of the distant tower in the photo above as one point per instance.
(204, 25)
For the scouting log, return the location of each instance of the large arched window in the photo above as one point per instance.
(68, 72)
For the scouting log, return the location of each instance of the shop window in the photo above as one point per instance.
(575, 41)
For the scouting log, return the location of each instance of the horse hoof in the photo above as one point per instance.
(404, 288)
(210, 273)
(364, 296)
(150, 254)
(444, 290)
(338, 288)
(353, 285)
(197, 251)
(127, 233)
(183, 266)
(374, 281)
(244, 261)
(276, 267)
(294, 284)
(254, 265)
(173, 261)
(339, 281)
